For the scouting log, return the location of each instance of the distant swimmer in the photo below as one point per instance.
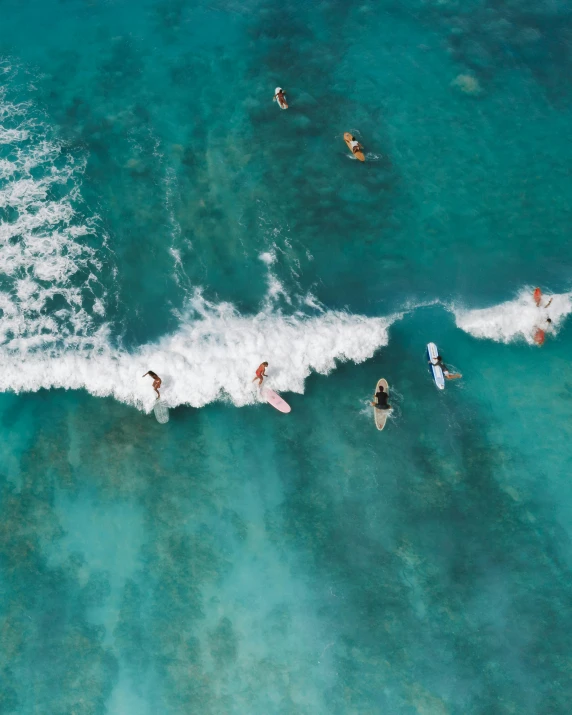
(448, 375)
(540, 334)
(261, 373)
(382, 399)
(156, 381)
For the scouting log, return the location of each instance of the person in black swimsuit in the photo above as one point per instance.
(381, 399)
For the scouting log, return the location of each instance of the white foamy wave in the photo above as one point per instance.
(212, 356)
(46, 265)
(516, 319)
(268, 257)
(7, 136)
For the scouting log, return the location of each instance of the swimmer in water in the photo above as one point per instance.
(261, 373)
(156, 381)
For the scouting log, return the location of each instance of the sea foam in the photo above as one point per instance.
(46, 266)
(516, 319)
(213, 356)
(49, 339)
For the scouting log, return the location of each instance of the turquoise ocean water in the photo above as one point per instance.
(158, 211)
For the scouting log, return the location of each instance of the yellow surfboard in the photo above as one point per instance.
(358, 154)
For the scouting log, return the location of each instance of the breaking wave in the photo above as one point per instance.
(53, 329)
(516, 319)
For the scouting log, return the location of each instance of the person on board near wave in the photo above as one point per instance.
(448, 375)
(261, 373)
(537, 296)
(540, 335)
(381, 398)
(355, 145)
(156, 381)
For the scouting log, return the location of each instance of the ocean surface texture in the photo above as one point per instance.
(158, 211)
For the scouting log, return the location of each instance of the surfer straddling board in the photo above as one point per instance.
(354, 146)
(381, 406)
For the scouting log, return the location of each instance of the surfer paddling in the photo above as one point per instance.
(261, 373)
(354, 146)
(448, 375)
(156, 381)
(280, 97)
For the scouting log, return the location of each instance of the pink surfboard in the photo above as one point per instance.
(275, 400)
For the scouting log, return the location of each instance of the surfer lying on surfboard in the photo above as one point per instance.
(280, 97)
(156, 381)
(261, 373)
(448, 375)
(381, 396)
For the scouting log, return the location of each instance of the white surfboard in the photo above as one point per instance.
(380, 416)
(282, 105)
(438, 376)
(161, 412)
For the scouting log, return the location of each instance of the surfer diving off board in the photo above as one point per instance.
(156, 382)
(261, 373)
